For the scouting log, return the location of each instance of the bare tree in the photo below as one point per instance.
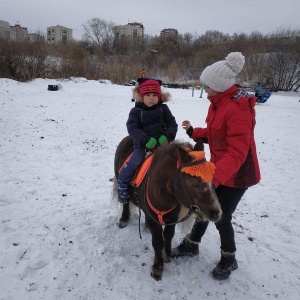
(100, 33)
(173, 72)
(283, 60)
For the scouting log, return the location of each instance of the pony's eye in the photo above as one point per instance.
(196, 185)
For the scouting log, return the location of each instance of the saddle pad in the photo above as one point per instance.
(142, 171)
(138, 179)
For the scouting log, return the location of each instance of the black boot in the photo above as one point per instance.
(185, 248)
(226, 265)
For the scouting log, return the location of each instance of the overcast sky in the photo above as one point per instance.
(193, 16)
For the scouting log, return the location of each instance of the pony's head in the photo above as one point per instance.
(194, 182)
(193, 186)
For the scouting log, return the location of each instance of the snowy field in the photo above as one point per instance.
(58, 233)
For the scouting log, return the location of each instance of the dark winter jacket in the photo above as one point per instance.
(145, 122)
(230, 135)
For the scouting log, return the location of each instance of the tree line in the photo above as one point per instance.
(272, 59)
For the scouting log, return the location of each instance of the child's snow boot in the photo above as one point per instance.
(123, 192)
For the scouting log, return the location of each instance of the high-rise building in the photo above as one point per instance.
(59, 34)
(13, 33)
(21, 32)
(169, 32)
(130, 30)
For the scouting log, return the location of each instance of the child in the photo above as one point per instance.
(257, 90)
(143, 74)
(150, 124)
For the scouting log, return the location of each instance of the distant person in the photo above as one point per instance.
(150, 124)
(257, 90)
(143, 74)
(230, 136)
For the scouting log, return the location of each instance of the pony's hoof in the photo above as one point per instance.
(157, 272)
(156, 276)
(167, 259)
(122, 223)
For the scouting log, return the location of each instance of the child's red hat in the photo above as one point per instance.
(148, 85)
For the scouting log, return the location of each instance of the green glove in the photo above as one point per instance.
(162, 139)
(151, 143)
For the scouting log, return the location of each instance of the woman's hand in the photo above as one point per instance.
(186, 124)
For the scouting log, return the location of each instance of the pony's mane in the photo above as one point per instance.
(171, 150)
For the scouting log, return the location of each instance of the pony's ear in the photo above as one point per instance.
(183, 155)
(199, 146)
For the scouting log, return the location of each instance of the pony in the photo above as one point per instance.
(171, 185)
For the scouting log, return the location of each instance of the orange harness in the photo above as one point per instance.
(138, 179)
(160, 214)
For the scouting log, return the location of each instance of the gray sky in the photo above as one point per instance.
(193, 16)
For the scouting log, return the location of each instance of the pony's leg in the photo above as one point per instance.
(123, 221)
(158, 246)
(169, 232)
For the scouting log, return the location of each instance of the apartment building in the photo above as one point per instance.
(129, 30)
(21, 32)
(59, 34)
(5, 31)
(13, 33)
(169, 32)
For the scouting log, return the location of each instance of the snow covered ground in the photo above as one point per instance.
(58, 233)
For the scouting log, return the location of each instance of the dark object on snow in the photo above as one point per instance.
(131, 83)
(263, 97)
(52, 87)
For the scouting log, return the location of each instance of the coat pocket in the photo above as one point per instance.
(218, 136)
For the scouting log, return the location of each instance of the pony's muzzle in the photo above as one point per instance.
(216, 215)
(213, 215)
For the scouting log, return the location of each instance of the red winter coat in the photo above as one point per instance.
(230, 135)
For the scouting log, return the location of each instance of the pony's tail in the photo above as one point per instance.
(114, 192)
(114, 195)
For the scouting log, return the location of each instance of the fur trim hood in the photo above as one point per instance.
(165, 97)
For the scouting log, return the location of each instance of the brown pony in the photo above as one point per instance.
(167, 189)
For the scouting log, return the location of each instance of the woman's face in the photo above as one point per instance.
(150, 99)
(210, 92)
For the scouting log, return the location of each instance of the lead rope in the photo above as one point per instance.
(139, 220)
(138, 203)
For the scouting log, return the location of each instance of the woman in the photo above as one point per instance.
(230, 136)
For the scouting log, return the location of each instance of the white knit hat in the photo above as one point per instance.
(220, 76)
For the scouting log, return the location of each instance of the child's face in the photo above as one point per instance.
(150, 99)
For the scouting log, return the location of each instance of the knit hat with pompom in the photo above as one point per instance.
(221, 75)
